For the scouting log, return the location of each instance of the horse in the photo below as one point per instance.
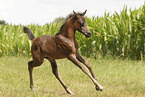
(61, 45)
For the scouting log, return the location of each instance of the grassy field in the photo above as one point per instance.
(120, 78)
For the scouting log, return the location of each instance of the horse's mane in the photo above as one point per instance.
(69, 16)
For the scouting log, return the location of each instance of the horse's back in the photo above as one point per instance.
(47, 46)
(44, 42)
(44, 39)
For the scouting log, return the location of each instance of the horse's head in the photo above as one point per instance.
(80, 23)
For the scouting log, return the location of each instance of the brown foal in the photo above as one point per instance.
(62, 45)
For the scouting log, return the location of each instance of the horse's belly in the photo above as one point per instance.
(55, 55)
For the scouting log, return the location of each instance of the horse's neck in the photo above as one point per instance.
(68, 32)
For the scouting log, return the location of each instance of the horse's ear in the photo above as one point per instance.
(84, 12)
(74, 12)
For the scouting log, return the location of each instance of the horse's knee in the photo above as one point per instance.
(88, 65)
(30, 65)
(54, 69)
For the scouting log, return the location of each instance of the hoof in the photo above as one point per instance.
(99, 89)
(69, 92)
(33, 90)
(102, 90)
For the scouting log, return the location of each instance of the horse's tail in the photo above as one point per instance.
(29, 33)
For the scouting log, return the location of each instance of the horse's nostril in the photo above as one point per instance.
(89, 33)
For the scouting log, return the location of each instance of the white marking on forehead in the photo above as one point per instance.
(82, 20)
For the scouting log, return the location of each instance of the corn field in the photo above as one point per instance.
(120, 34)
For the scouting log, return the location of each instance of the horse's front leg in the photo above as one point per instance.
(86, 63)
(57, 75)
(72, 57)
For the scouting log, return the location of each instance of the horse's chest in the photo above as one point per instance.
(66, 45)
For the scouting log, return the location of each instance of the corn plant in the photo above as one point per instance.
(120, 34)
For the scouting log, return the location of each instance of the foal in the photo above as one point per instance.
(62, 45)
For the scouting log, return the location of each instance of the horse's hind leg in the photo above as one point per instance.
(57, 75)
(30, 68)
(31, 65)
(81, 59)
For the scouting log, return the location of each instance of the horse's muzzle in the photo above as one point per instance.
(88, 34)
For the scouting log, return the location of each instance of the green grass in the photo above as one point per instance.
(119, 78)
